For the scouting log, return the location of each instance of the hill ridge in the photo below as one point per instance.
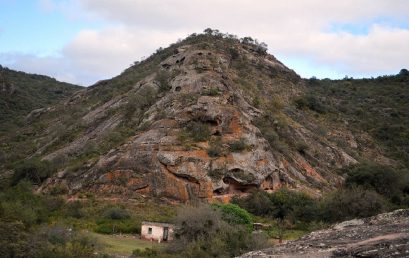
(210, 117)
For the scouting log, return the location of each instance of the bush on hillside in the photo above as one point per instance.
(202, 232)
(283, 204)
(13, 239)
(127, 226)
(198, 131)
(257, 202)
(293, 206)
(20, 204)
(382, 179)
(34, 170)
(216, 148)
(352, 203)
(312, 103)
(239, 145)
(116, 213)
(233, 214)
(163, 77)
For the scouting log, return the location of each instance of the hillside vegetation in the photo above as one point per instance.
(212, 118)
(22, 92)
(378, 106)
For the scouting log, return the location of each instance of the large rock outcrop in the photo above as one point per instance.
(209, 121)
(384, 235)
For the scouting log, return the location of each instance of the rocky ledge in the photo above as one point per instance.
(384, 235)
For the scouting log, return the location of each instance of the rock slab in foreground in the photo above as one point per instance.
(384, 235)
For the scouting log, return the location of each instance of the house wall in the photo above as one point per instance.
(157, 232)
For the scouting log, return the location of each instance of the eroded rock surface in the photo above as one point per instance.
(384, 235)
(246, 99)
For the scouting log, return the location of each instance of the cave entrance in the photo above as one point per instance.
(236, 187)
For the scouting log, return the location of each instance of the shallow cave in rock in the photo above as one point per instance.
(267, 184)
(180, 61)
(236, 170)
(237, 187)
(217, 133)
(188, 178)
(166, 66)
(219, 191)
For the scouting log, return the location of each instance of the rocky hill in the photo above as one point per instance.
(207, 118)
(384, 235)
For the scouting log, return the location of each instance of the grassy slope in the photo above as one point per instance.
(121, 245)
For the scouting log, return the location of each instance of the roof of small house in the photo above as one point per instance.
(159, 224)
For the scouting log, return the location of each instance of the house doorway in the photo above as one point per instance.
(165, 233)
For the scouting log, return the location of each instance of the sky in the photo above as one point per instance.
(83, 41)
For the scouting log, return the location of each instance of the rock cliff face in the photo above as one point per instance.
(207, 118)
(384, 235)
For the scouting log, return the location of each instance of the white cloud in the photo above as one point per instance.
(294, 28)
(108, 50)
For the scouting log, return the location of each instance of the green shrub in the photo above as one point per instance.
(238, 146)
(202, 232)
(293, 206)
(312, 103)
(257, 202)
(34, 169)
(216, 148)
(282, 204)
(13, 239)
(20, 204)
(234, 53)
(75, 209)
(211, 92)
(217, 174)
(233, 214)
(60, 242)
(198, 131)
(352, 203)
(116, 213)
(382, 179)
(104, 228)
(108, 226)
(163, 77)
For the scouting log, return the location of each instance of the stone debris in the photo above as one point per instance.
(384, 235)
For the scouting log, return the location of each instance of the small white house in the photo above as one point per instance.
(157, 231)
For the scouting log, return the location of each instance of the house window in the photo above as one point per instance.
(150, 231)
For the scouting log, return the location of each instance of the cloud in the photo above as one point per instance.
(41, 65)
(110, 49)
(92, 55)
(293, 29)
(290, 28)
(47, 5)
(241, 13)
(382, 50)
